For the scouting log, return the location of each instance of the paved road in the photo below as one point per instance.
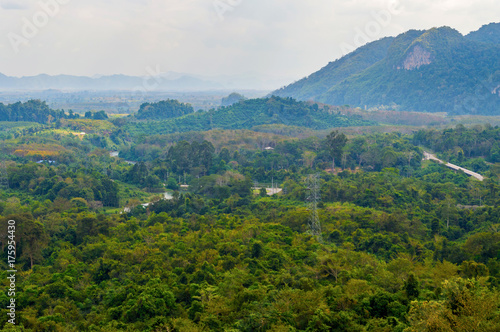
(429, 156)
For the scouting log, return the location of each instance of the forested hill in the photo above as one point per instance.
(438, 70)
(164, 109)
(30, 111)
(254, 112)
(337, 71)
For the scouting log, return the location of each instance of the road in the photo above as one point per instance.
(429, 156)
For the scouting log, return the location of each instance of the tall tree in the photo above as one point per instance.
(335, 143)
(33, 238)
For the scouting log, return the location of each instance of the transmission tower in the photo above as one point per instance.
(313, 199)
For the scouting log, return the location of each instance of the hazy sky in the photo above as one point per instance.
(284, 39)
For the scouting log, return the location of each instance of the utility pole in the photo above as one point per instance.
(313, 198)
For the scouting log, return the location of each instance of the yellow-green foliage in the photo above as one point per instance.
(36, 149)
(88, 126)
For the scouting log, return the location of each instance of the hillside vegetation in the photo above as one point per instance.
(437, 70)
(164, 109)
(254, 112)
(404, 245)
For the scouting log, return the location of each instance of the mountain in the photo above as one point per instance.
(438, 70)
(177, 82)
(489, 33)
(167, 81)
(337, 71)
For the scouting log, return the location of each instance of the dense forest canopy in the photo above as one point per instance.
(133, 227)
(30, 111)
(38, 111)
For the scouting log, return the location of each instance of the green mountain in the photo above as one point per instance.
(337, 71)
(489, 33)
(437, 70)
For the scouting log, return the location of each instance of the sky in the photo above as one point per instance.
(282, 40)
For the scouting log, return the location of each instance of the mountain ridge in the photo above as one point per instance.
(435, 70)
(164, 81)
(107, 82)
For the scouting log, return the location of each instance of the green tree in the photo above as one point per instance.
(33, 238)
(467, 306)
(335, 144)
(411, 287)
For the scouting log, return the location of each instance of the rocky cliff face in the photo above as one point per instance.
(418, 57)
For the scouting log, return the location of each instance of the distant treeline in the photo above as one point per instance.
(30, 111)
(38, 111)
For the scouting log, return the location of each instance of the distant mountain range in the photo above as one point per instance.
(114, 82)
(438, 70)
(169, 81)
